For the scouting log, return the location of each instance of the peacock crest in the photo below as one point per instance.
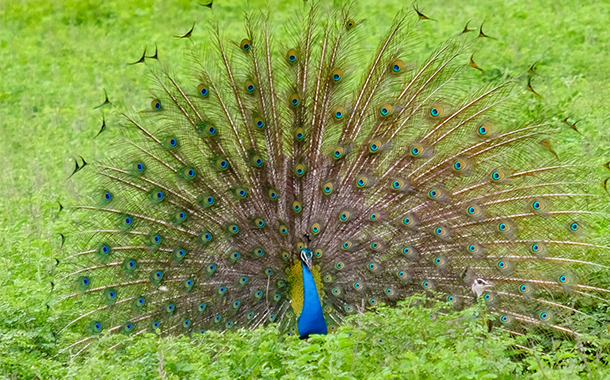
(295, 181)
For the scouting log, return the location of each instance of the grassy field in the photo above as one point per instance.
(58, 57)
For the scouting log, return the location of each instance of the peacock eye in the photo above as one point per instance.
(156, 105)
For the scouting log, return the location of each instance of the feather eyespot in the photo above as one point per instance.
(259, 223)
(83, 283)
(292, 56)
(170, 143)
(256, 160)
(297, 207)
(294, 100)
(336, 75)
(498, 176)
(234, 256)
(339, 113)
(299, 170)
(104, 251)
(397, 66)
(137, 168)
(350, 24)
(207, 129)
(188, 173)
(344, 216)
(318, 253)
(110, 295)
(474, 211)
(315, 228)
(346, 245)
(233, 229)
(442, 233)
(375, 146)
(538, 249)
(476, 250)
(188, 284)
(525, 289)
(272, 194)
(245, 45)
(339, 265)
(410, 220)
(506, 319)
(362, 181)
(299, 134)
(221, 290)
(179, 253)
(127, 328)
(484, 130)
(403, 276)
(427, 285)
(250, 87)
(504, 265)
(140, 302)
(206, 237)
(574, 227)
(107, 196)
(259, 122)
(203, 91)
(180, 217)
(439, 261)
(372, 267)
(328, 188)
(155, 239)
(436, 111)
(385, 110)
(461, 166)
(156, 276)
(566, 279)
(96, 327)
(221, 164)
(338, 153)
(283, 230)
(156, 105)
(545, 316)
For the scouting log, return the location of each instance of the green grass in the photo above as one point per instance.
(56, 58)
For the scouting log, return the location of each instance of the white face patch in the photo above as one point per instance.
(306, 257)
(479, 285)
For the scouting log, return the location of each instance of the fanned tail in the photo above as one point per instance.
(400, 178)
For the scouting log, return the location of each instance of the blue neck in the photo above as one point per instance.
(311, 320)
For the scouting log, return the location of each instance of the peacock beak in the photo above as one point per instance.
(309, 263)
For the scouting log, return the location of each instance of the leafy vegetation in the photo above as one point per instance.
(58, 57)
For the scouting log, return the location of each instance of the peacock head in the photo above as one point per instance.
(306, 257)
(479, 285)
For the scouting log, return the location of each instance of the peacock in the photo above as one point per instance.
(300, 181)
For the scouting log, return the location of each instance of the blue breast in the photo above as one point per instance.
(311, 320)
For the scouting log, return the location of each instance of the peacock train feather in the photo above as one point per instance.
(295, 182)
